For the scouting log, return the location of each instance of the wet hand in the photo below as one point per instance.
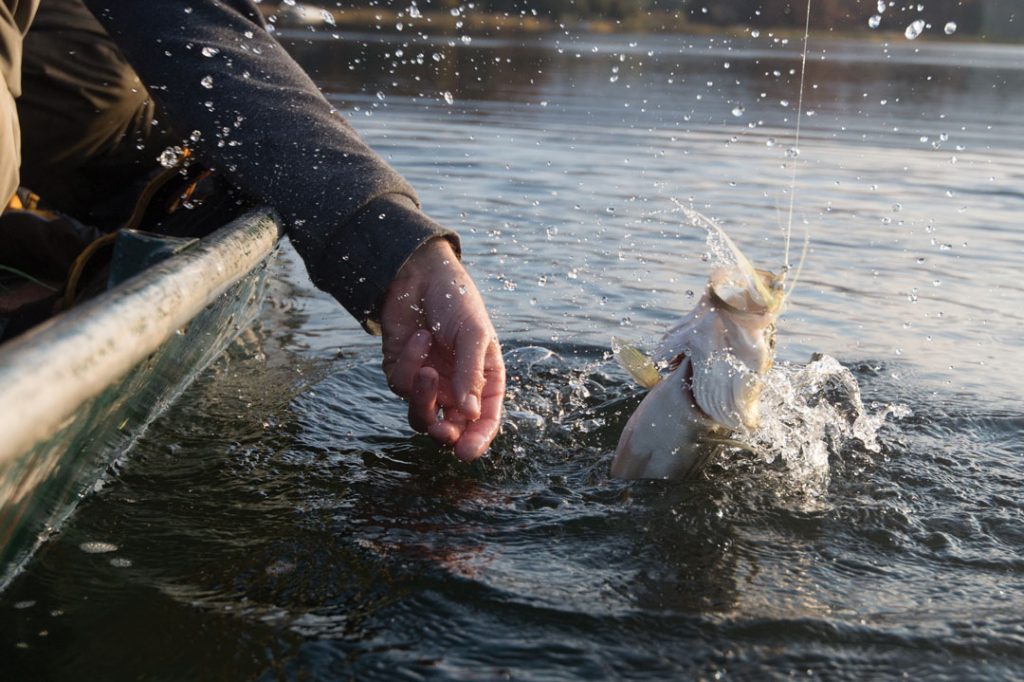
(441, 352)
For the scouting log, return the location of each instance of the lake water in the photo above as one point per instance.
(281, 520)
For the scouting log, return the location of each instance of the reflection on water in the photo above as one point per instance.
(282, 521)
(558, 158)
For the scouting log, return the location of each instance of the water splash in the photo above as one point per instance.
(809, 413)
(549, 400)
(572, 405)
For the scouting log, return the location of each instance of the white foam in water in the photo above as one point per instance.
(807, 412)
(97, 547)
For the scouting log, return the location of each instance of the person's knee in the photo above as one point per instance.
(10, 145)
(79, 97)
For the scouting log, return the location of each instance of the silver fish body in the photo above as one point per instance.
(666, 435)
(717, 356)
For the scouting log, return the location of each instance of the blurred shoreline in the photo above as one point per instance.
(484, 23)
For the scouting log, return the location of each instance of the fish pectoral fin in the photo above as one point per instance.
(634, 361)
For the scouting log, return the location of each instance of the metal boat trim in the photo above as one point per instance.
(48, 372)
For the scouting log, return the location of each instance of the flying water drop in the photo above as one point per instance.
(914, 29)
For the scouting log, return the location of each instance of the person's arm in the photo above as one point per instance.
(356, 223)
(266, 127)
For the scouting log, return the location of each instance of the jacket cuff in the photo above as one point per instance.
(359, 261)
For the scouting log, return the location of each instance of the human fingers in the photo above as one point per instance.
(478, 435)
(468, 380)
(401, 370)
(423, 400)
(448, 430)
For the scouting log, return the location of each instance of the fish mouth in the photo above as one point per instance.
(741, 301)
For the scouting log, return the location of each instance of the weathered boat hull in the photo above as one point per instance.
(76, 392)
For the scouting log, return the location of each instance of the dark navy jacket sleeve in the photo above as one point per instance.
(269, 130)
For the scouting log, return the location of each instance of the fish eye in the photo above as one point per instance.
(769, 335)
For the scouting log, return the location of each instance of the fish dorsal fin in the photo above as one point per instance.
(634, 361)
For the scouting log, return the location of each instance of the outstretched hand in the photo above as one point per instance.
(441, 353)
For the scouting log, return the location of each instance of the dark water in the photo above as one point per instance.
(281, 520)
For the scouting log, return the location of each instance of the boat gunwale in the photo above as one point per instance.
(46, 373)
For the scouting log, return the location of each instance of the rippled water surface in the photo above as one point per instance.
(282, 521)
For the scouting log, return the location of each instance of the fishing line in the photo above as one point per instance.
(796, 138)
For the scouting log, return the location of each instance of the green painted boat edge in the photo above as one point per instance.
(78, 390)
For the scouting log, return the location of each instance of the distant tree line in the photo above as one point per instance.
(830, 14)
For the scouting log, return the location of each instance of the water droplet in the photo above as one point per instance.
(121, 562)
(950, 28)
(738, 110)
(170, 157)
(207, 82)
(448, 97)
(875, 21)
(755, 33)
(328, 17)
(914, 29)
(209, 51)
(881, 6)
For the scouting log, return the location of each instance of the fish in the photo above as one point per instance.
(716, 360)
